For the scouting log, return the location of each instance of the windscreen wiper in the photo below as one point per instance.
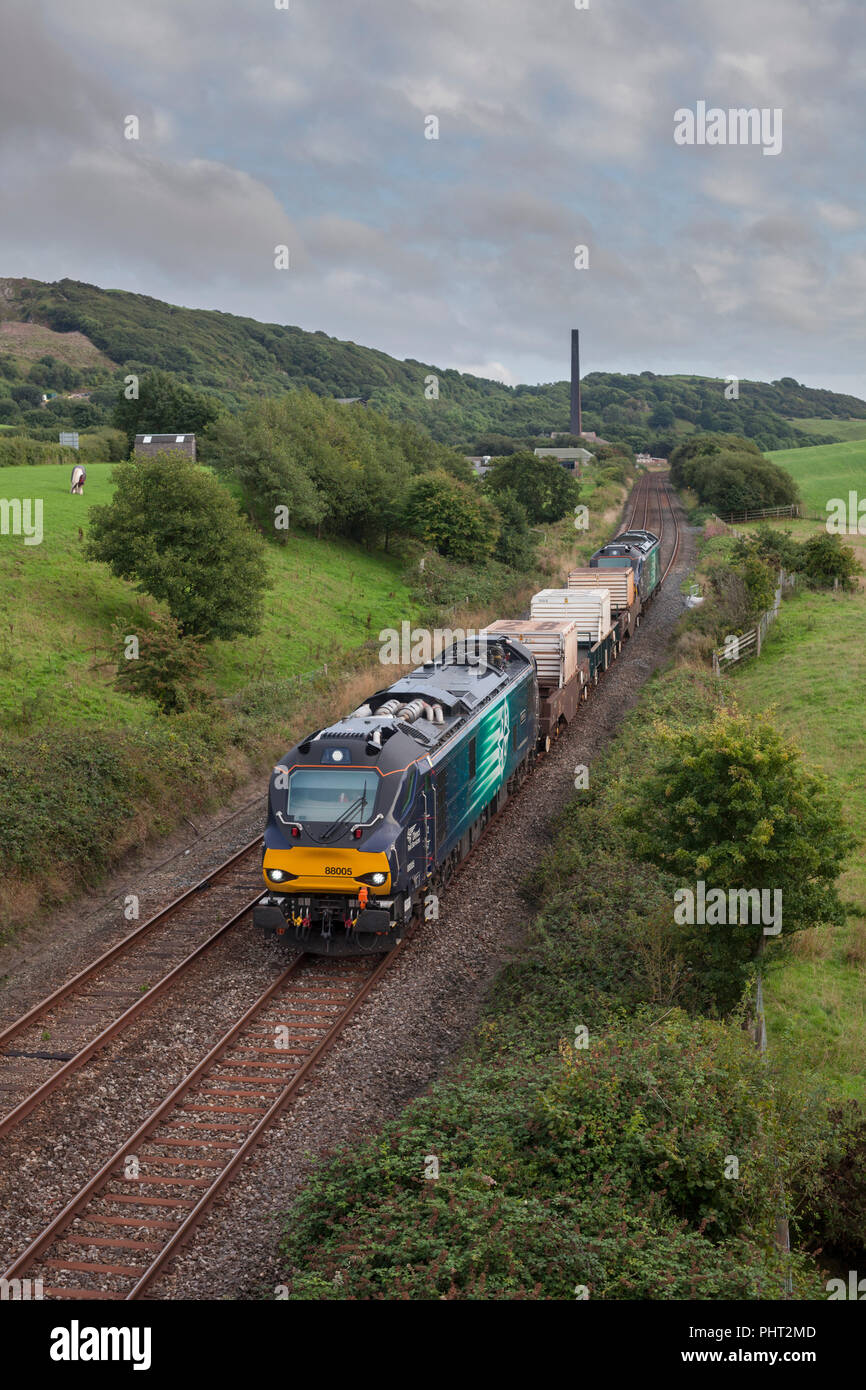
(356, 808)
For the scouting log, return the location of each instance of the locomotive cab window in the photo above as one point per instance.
(325, 794)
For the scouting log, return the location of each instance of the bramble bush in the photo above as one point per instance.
(169, 667)
(602, 1168)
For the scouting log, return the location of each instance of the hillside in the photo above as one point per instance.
(69, 336)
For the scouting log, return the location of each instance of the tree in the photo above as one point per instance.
(453, 517)
(663, 416)
(339, 468)
(730, 473)
(26, 394)
(515, 545)
(543, 487)
(266, 452)
(174, 530)
(164, 406)
(731, 804)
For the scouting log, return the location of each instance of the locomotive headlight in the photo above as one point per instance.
(276, 875)
(377, 879)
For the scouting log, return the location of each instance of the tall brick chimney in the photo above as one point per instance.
(576, 414)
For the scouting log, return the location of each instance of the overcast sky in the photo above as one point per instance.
(306, 127)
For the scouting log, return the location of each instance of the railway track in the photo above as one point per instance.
(126, 1223)
(665, 489)
(653, 495)
(637, 505)
(43, 1047)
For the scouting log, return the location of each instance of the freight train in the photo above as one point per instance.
(370, 815)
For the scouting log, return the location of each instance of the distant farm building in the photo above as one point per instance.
(150, 444)
(649, 461)
(352, 400)
(572, 459)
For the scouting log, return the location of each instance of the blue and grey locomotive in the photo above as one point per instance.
(368, 815)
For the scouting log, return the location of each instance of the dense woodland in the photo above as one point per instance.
(233, 361)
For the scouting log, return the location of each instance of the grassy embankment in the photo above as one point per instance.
(89, 771)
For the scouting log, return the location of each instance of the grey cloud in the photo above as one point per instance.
(556, 128)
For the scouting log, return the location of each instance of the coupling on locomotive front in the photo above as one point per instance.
(369, 814)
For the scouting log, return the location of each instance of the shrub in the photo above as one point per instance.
(17, 451)
(824, 559)
(835, 1215)
(602, 1168)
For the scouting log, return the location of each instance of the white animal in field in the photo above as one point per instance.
(79, 476)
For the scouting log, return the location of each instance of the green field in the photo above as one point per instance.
(812, 674)
(842, 429)
(826, 471)
(57, 661)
